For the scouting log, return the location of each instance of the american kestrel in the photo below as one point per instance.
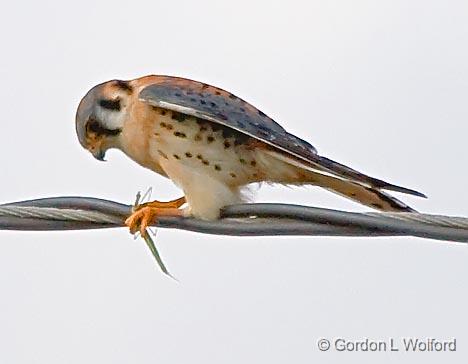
(211, 144)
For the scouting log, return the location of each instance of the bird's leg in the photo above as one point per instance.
(147, 213)
(174, 203)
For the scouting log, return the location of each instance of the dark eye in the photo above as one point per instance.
(110, 104)
(93, 126)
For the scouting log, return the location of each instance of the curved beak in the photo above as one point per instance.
(99, 154)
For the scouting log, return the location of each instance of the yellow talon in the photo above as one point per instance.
(147, 214)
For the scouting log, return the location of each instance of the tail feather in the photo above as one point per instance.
(345, 171)
(368, 196)
(341, 181)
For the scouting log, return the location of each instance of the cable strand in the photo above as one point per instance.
(73, 213)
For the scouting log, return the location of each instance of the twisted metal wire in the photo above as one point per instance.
(57, 214)
(74, 213)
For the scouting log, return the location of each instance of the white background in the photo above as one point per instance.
(378, 85)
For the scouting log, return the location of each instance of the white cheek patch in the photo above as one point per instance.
(111, 119)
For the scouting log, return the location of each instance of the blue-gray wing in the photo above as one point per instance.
(219, 106)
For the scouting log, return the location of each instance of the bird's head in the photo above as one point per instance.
(100, 116)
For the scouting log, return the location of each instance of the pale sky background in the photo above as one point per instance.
(379, 85)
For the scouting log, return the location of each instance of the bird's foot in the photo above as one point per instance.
(147, 214)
